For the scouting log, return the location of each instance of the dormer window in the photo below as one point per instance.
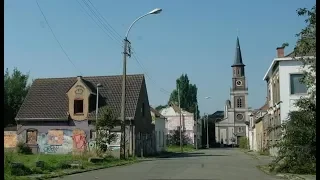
(78, 106)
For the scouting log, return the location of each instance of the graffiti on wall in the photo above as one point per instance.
(55, 137)
(79, 140)
(91, 145)
(55, 142)
(10, 139)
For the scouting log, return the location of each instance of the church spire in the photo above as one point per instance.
(238, 57)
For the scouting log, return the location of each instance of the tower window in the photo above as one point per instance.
(238, 71)
(239, 103)
(78, 106)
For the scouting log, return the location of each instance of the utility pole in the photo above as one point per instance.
(196, 126)
(123, 100)
(180, 119)
(207, 131)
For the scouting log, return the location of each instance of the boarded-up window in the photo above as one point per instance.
(32, 136)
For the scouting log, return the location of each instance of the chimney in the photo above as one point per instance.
(280, 52)
(79, 78)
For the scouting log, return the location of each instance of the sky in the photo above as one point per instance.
(193, 37)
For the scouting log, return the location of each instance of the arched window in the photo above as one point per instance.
(238, 71)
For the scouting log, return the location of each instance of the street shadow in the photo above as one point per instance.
(183, 155)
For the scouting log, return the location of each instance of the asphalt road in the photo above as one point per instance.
(212, 164)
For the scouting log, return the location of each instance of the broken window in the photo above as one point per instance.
(78, 106)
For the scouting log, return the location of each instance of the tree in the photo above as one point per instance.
(297, 149)
(103, 127)
(188, 95)
(15, 90)
(174, 138)
(158, 108)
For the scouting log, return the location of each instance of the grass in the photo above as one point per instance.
(54, 164)
(176, 149)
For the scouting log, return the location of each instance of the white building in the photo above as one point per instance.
(172, 114)
(160, 130)
(284, 88)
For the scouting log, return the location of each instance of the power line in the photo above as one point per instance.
(114, 35)
(55, 37)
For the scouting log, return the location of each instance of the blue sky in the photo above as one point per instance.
(193, 37)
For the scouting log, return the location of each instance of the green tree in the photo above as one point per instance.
(297, 149)
(158, 108)
(188, 95)
(103, 127)
(15, 90)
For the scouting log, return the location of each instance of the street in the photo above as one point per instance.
(212, 164)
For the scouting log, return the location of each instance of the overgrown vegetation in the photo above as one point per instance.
(297, 149)
(174, 138)
(103, 130)
(243, 142)
(17, 165)
(177, 149)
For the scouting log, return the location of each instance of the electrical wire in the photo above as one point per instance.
(114, 35)
(55, 37)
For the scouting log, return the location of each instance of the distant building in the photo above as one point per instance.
(160, 130)
(232, 126)
(188, 125)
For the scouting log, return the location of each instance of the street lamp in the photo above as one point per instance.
(208, 97)
(123, 98)
(97, 101)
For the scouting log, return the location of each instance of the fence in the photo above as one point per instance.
(145, 144)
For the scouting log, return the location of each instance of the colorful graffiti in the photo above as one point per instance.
(55, 137)
(10, 139)
(79, 140)
(55, 143)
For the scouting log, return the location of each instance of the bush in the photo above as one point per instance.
(23, 148)
(244, 143)
(174, 138)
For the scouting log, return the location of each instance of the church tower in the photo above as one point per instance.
(239, 90)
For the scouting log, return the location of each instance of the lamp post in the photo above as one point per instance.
(123, 97)
(97, 101)
(208, 97)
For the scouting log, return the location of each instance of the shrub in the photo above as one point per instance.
(174, 138)
(244, 143)
(23, 148)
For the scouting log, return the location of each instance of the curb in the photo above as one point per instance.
(46, 176)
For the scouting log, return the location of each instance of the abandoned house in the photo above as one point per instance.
(58, 114)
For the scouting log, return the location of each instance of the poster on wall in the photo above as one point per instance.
(116, 144)
(55, 137)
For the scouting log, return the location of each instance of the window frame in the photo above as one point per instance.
(27, 136)
(290, 85)
(74, 109)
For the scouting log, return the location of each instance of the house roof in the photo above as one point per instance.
(156, 113)
(11, 127)
(238, 56)
(47, 98)
(290, 57)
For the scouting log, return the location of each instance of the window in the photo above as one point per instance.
(240, 129)
(78, 106)
(296, 87)
(32, 136)
(143, 110)
(239, 103)
(238, 71)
